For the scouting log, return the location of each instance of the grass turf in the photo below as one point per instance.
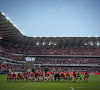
(93, 84)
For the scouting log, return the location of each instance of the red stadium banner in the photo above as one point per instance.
(97, 73)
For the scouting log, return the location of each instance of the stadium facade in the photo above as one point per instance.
(61, 53)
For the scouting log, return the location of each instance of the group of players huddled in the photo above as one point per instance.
(39, 75)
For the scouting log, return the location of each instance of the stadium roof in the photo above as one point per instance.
(10, 35)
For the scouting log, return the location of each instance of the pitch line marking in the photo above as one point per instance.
(80, 87)
(72, 88)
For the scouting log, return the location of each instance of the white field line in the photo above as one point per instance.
(76, 87)
(80, 87)
(72, 88)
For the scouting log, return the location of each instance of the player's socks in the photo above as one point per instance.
(43, 78)
(38, 79)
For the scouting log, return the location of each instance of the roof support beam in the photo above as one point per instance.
(73, 42)
(80, 41)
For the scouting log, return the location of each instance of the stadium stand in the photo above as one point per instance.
(53, 50)
(70, 63)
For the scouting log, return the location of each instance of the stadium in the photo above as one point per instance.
(45, 63)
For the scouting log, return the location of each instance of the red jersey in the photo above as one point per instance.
(47, 75)
(86, 74)
(74, 74)
(25, 74)
(14, 75)
(28, 73)
(62, 75)
(9, 75)
(52, 73)
(32, 75)
(35, 74)
(67, 75)
(19, 75)
(41, 73)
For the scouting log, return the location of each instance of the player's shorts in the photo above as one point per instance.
(86, 77)
(46, 78)
(42, 78)
(73, 77)
(13, 77)
(30, 78)
(68, 77)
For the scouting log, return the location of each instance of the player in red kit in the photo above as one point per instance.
(9, 76)
(86, 75)
(19, 76)
(30, 76)
(74, 76)
(14, 76)
(67, 76)
(42, 75)
(47, 76)
(35, 75)
(62, 75)
(52, 76)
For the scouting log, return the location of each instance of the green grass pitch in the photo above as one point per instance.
(92, 84)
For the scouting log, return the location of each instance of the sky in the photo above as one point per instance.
(67, 18)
